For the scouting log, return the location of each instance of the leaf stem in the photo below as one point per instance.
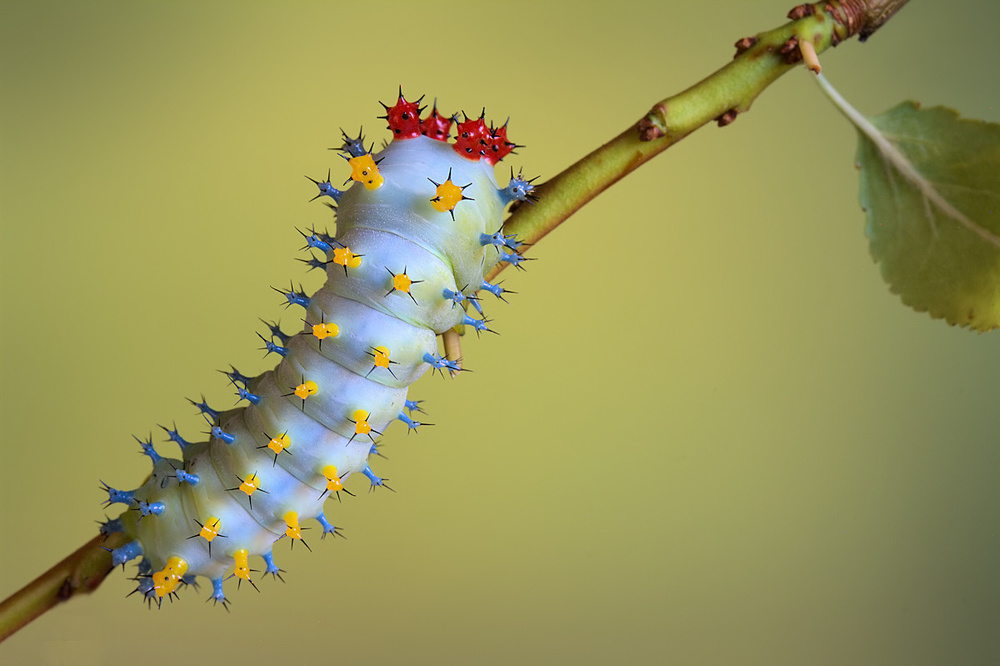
(891, 153)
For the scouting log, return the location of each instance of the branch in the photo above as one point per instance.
(79, 573)
(721, 97)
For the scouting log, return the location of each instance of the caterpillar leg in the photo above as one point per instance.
(452, 349)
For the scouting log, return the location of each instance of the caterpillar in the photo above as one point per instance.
(417, 231)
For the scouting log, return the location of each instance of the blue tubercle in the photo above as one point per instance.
(478, 324)
(252, 398)
(496, 290)
(111, 526)
(353, 147)
(147, 448)
(412, 405)
(144, 586)
(450, 295)
(272, 348)
(276, 331)
(328, 527)
(518, 189)
(218, 596)
(410, 423)
(237, 377)
(203, 407)
(150, 508)
(219, 433)
(187, 477)
(175, 436)
(313, 263)
(319, 240)
(440, 363)
(499, 239)
(123, 554)
(326, 189)
(459, 297)
(116, 496)
(512, 258)
(377, 481)
(270, 566)
(294, 297)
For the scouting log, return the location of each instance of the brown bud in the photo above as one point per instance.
(801, 11)
(727, 117)
(648, 131)
(790, 51)
(743, 45)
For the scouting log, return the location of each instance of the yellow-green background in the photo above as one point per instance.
(707, 434)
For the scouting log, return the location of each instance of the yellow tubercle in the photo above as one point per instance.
(364, 170)
(446, 196)
(169, 577)
(210, 529)
(241, 559)
(280, 443)
(333, 481)
(342, 256)
(401, 282)
(250, 484)
(306, 389)
(292, 528)
(325, 330)
(361, 426)
(381, 355)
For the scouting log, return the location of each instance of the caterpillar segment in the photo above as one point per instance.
(418, 229)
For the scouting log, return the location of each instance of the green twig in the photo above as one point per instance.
(720, 97)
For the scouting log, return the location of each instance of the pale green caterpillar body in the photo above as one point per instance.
(417, 233)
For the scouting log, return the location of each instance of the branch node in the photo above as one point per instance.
(790, 52)
(801, 12)
(66, 590)
(744, 45)
(654, 124)
(727, 117)
(861, 17)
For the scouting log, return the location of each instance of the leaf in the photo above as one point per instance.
(930, 184)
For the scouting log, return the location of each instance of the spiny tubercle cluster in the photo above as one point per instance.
(474, 139)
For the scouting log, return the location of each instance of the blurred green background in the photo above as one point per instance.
(728, 444)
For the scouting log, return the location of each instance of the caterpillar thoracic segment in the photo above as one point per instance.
(417, 232)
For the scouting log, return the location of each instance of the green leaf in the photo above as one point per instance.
(930, 184)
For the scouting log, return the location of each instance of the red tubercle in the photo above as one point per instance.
(435, 125)
(475, 140)
(403, 118)
(497, 145)
(471, 141)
